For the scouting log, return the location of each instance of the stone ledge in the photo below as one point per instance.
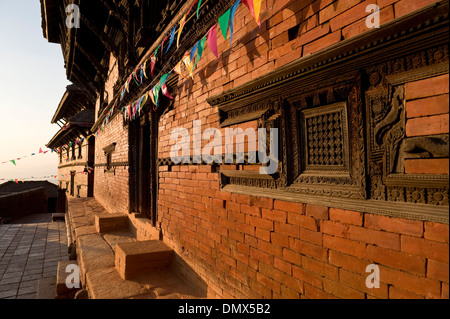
(61, 286)
(93, 253)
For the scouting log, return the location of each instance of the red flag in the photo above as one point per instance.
(212, 40)
(40, 150)
(166, 91)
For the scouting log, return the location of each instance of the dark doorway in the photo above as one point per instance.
(143, 139)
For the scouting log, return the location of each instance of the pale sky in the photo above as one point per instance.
(32, 82)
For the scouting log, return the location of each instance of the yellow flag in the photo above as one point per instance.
(189, 65)
(182, 23)
(257, 8)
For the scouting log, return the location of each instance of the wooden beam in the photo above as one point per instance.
(102, 36)
(95, 63)
(115, 11)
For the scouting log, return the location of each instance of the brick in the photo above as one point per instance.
(292, 257)
(394, 225)
(333, 228)
(374, 237)
(358, 282)
(288, 293)
(321, 268)
(436, 124)
(341, 291)
(280, 240)
(311, 236)
(427, 106)
(307, 276)
(302, 221)
(322, 43)
(287, 229)
(419, 285)
(404, 7)
(437, 232)
(288, 206)
(275, 215)
(347, 17)
(428, 87)
(437, 270)
(425, 248)
(260, 222)
(360, 26)
(344, 245)
(427, 166)
(395, 259)
(347, 262)
(335, 9)
(307, 249)
(396, 293)
(314, 293)
(346, 216)
(317, 212)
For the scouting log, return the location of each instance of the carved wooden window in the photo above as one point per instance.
(342, 123)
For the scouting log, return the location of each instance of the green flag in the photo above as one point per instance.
(224, 20)
(13, 161)
(201, 47)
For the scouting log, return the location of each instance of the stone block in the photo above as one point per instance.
(134, 257)
(110, 222)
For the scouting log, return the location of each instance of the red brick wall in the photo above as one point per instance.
(246, 246)
(111, 189)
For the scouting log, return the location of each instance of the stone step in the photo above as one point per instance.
(132, 258)
(110, 222)
(157, 284)
(67, 268)
(93, 253)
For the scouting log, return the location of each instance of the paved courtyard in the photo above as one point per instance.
(30, 249)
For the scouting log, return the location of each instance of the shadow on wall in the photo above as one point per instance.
(13, 206)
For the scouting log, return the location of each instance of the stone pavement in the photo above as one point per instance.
(30, 249)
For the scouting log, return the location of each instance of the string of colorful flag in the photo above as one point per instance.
(14, 161)
(189, 61)
(87, 171)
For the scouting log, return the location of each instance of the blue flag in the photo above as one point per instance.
(172, 37)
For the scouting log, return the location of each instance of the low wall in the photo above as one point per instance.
(25, 203)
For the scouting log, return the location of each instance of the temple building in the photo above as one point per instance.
(75, 116)
(255, 149)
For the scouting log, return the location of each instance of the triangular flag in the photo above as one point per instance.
(40, 150)
(249, 4)
(232, 14)
(212, 40)
(14, 162)
(162, 44)
(152, 64)
(257, 9)
(223, 22)
(198, 7)
(182, 23)
(166, 91)
(189, 65)
(172, 37)
(194, 50)
(201, 47)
